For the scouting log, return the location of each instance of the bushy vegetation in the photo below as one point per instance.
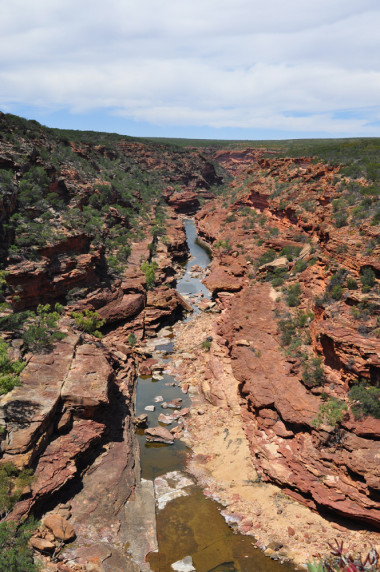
(293, 295)
(9, 370)
(89, 321)
(368, 279)
(267, 257)
(340, 561)
(313, 372)
(13, 482)
(365, 400)
(330, 413)
(149, 269)
(15, 553)
(41, 328)
(132, 340)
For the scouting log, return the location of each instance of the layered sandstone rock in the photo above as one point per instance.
(319, 466)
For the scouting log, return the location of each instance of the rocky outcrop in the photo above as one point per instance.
(312, 462)
(124, 308)
(286, 447)
(186, 202)
(56, 273)
(163, 306)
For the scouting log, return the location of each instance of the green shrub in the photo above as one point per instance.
(293, 295)
(368, 279)
(288, 330)
(336, 292)
(150, 273)
(89, 321)
(268, 256)
(223, 244)
(291, 252)
(313, 373)
(366, 401)
(41, 330)
(206, 345)
(15, 553)
(132, 339)
(301, 318)
(12, 484)
(300, 266)
(9, 370)
(277, 281)
(330, 413)
(351, 283)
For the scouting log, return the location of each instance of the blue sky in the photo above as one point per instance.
(229, 69)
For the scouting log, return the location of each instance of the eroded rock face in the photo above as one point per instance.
(317, 465)
(186, 202)
(58, 464)
(162, 305)
(28, 412)
(86, 386)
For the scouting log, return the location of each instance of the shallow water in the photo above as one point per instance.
(191, 525)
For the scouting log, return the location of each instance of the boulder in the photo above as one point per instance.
(159, 435)
(141, 421)
(148, 366)
(60, 527)
(123, 308)
(42, 544)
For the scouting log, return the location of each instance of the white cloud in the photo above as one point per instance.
(239, 63)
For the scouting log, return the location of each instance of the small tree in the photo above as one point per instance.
(331, 413)
(89, 321)
(149, 268)
(41, 331)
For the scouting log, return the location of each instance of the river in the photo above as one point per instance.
(191, 531)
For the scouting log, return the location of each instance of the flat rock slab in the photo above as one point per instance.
(159, 435)
(139, 527)
(87, 382)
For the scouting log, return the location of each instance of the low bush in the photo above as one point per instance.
(89, 321)
(293, 295)
(268, 256)
(15, 553)
(149, 269)
(368, 279)
(351, 283)
(132, 339)
(291, 252)
(41, 329)
(12, 484)
(330, 413)
(9, 370)
(365, 400)
(313, 373)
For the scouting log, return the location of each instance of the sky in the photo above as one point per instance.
(214, 69)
